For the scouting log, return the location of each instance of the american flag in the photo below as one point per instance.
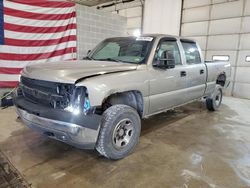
(34, 31)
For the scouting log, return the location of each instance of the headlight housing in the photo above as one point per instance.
(79, 102)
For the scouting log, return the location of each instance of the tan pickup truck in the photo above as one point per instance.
(98, 102)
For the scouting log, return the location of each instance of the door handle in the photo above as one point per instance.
(201, 71)
(183, 73)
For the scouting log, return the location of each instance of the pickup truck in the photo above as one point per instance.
(98, 102)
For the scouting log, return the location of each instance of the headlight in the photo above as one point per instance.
(80, 103)
(72, 109)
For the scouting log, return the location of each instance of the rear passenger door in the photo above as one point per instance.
(196, 70)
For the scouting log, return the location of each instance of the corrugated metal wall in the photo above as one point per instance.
(222, 27)
(162, 16)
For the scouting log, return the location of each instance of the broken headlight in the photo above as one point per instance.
(80, 102)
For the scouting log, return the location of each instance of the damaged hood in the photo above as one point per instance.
(71, 71)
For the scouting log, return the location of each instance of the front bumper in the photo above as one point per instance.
(60, 125)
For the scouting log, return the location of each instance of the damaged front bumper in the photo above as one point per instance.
(78, 130)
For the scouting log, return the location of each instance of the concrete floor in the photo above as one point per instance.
(188, 148)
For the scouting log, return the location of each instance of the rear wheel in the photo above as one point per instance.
(119, 133)
(213, 103)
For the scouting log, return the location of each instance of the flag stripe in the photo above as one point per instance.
(17, 42)
(52, 4)
(43, 23)
(21, 64)
(8, 84)
(37, 16)
(4, 70)
(36, 50)
(38, 36)
(30, 29)
(23, 57)
(9, 77)
(37, 9)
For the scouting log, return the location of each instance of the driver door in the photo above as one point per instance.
(168, 86)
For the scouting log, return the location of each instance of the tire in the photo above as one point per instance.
(119, 132)
(213, 103)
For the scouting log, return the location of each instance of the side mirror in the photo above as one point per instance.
(87, 56)
(166, 61)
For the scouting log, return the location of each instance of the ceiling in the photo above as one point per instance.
(92, 2)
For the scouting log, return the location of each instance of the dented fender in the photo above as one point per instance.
(101, 87)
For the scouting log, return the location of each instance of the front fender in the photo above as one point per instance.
(100, 87)
(99, 92)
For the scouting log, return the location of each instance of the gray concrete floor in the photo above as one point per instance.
(188, 148)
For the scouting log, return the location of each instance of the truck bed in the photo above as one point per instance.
(214, 69)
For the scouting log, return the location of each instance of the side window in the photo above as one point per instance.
(169, 46)
(191, 52)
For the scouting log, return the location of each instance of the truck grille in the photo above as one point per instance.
(56, 95)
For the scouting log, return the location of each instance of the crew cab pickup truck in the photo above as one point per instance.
(98, 102)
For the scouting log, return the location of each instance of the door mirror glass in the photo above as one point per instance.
(166, 61)
(87, 56)
(167, 54)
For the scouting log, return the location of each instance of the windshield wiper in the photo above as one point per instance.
(109, 59)
(114, 60)
(88, 58)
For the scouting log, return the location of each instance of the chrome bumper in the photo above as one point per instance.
(69, 133)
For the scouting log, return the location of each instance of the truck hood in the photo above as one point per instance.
(71, 71)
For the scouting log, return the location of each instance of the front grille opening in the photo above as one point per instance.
(51, 94)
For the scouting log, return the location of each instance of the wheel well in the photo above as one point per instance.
(221, 80)
(130, 98)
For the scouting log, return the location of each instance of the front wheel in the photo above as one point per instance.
(119, 132)
(213, 103)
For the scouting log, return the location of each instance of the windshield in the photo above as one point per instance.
(127, 50)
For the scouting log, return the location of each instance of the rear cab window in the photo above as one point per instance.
(192, 52)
